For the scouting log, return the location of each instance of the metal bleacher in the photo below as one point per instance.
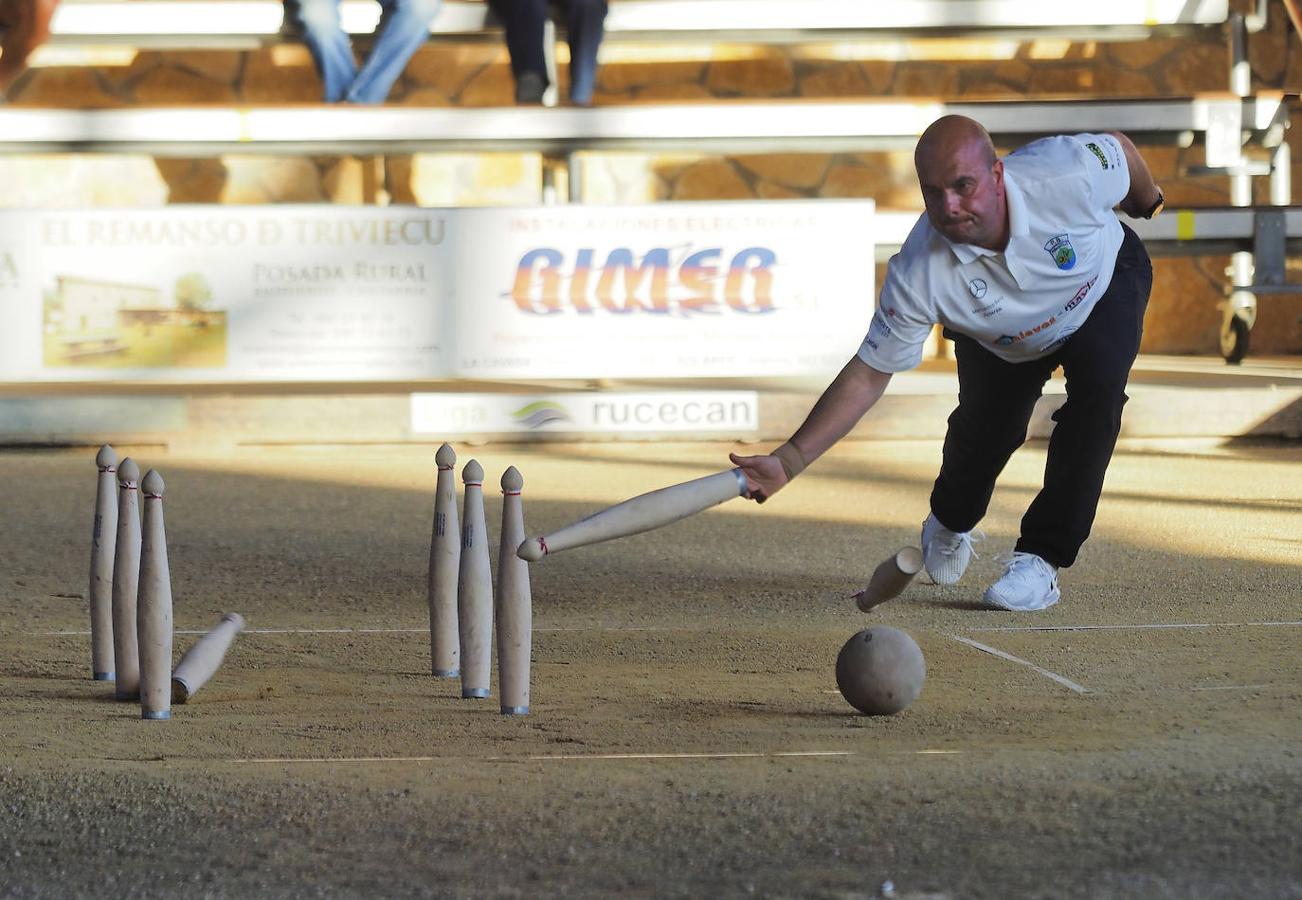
(1259, 237)
(752, 126)
(181, 24)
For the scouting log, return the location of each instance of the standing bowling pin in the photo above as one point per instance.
(126, 580)
(203, 659)
(103, 541)
(444, 570)
(514, 614)
(475, 589)
(154, 612)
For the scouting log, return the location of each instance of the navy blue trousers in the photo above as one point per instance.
(995, 402)
(584, 27)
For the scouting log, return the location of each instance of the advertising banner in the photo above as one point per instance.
(663, 291)
(224, 294)
(598, 412)
(321, 293)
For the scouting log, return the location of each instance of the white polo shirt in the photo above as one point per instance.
(1022, 303)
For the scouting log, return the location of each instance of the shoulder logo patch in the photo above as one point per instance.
(1094, 148)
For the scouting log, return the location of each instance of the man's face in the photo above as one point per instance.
(964, 195)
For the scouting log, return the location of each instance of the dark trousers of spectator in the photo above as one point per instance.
(995, 402)
(584, 26)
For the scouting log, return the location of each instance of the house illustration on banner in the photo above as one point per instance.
(93, 322)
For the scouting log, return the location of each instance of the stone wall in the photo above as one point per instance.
(1184, 315)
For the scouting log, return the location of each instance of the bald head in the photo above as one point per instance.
(949, 136)
(962, 181)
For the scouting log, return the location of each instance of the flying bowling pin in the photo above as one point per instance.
(203, 659)
(890, 578)
(103, 542)
(514, 614)
(475, 589)
(154, 610)
(126, 581)
(444, 570)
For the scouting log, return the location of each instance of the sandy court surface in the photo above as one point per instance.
(1140, 739)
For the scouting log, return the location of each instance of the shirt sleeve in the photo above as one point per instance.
(1106, 168)
(899, 327)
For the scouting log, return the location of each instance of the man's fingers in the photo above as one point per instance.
(753, 489)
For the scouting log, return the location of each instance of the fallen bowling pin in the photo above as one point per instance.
(642, 513)
(126, 583)
(475, 589)
(204, 658)
(444, 570)
(890, 578)
(154, 609)
(103, 545)
(514, 612)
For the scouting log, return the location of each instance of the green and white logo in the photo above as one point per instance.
(540, 413)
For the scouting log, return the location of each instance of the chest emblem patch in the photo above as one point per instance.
(1059, 247)
(977, 287)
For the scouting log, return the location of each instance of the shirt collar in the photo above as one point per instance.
(1017, 224)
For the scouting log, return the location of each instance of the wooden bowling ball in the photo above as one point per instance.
(880, 671)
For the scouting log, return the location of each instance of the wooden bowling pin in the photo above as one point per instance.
(890, 578)
(654, 509)
(103, 542)
(126, 580)
(514, 613)
(444, 570)
(204, 658)
(475, 589)
(154, 610)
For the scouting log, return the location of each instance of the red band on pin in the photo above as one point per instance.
(445, 468)
(108, 468)
(510, 493)
(542, 542)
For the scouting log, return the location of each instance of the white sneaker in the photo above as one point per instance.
(1028, 583)
(945, 553)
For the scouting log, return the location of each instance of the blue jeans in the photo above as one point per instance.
(584, 28)
(404, 27)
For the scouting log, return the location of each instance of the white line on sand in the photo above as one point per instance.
(1011, 628)
(553, 628)
(580, 628)
(583, 757)
(1065, 682)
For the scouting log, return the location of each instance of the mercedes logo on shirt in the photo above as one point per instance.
(977, 287)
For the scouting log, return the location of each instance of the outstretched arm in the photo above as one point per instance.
(1143, 190)
(851, 394)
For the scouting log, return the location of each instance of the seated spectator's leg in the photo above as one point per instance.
(325, 38)
(585, 22)
(404, 29)
(523, 22)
